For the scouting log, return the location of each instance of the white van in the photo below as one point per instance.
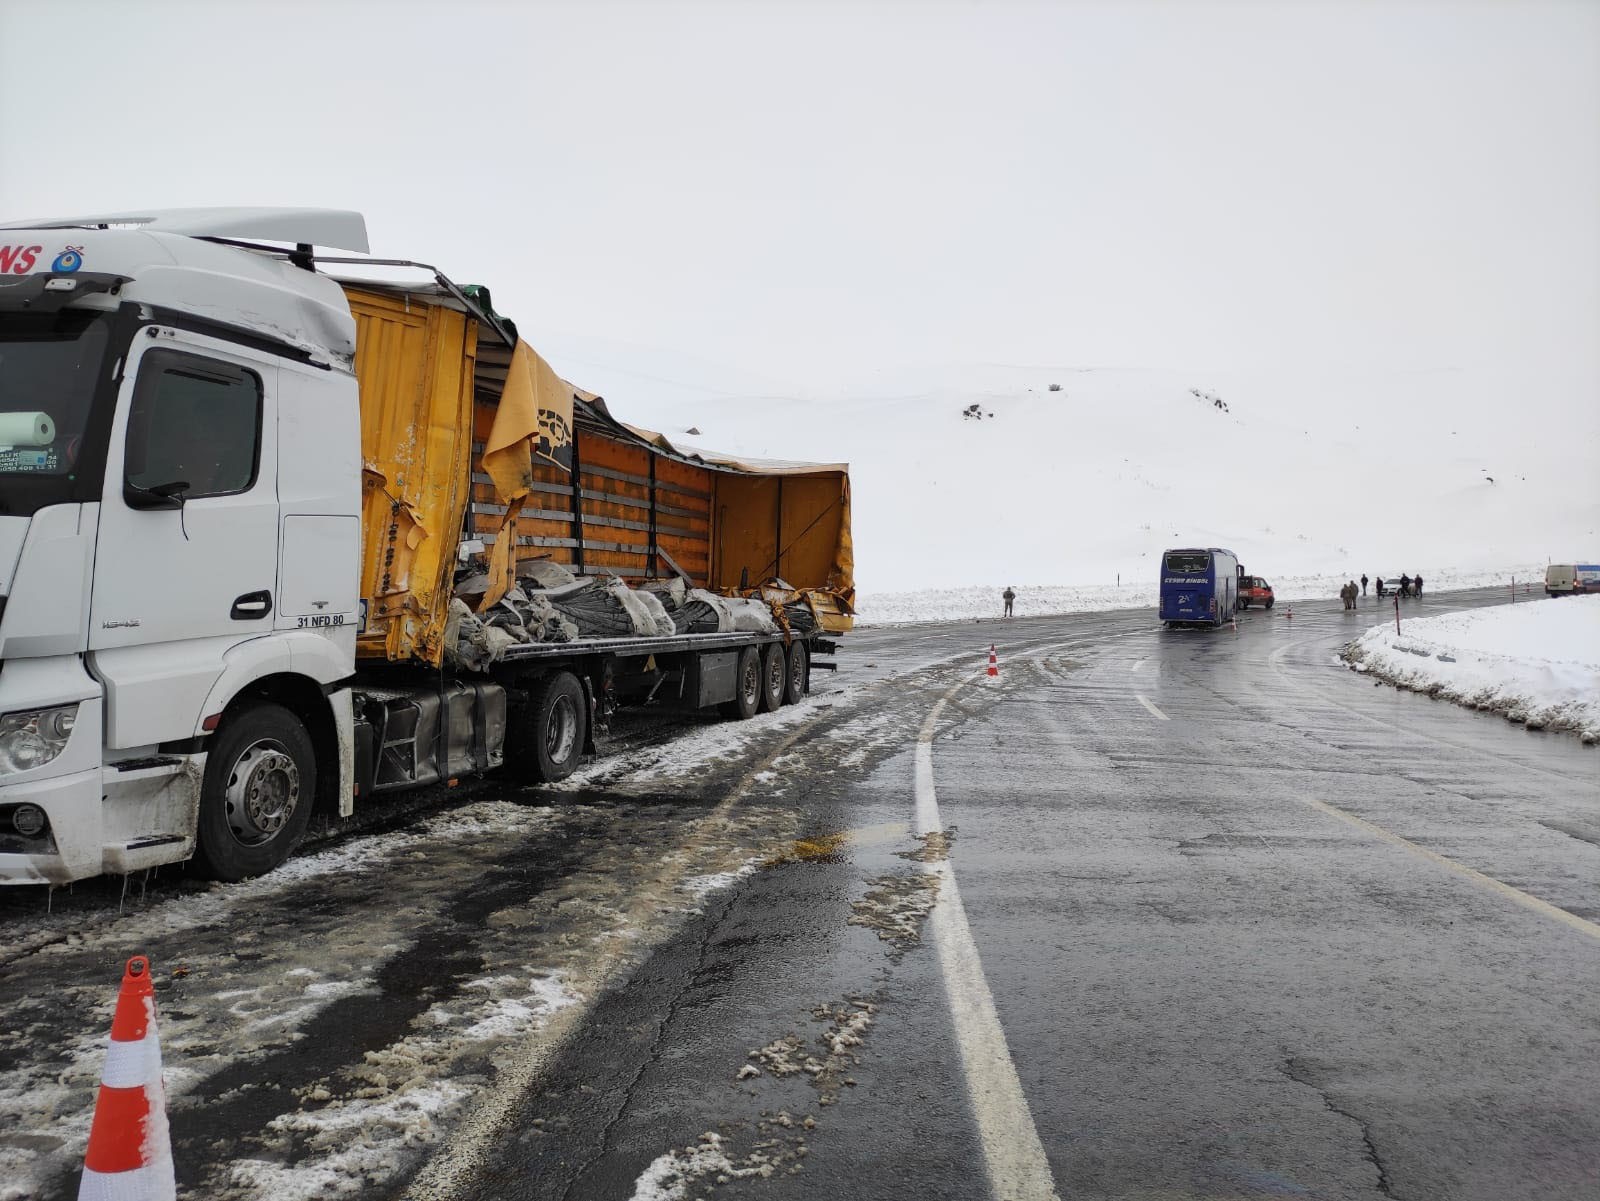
(1564, 579)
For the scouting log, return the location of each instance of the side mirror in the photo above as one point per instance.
(162, 496)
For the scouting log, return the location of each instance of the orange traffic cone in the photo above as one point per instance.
(994, 665)
(130, 1150)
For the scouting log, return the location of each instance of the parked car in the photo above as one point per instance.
(1253, 590)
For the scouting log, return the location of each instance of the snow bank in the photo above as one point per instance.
(1538, 663)
(979, 602)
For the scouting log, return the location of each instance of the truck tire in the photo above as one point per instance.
(256, 797)
(747, 680)
(545, 743)
(798, 680)
(774, 677)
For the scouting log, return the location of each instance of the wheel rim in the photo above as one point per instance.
(263, 792)
(797, 672)
(562, 732)
(752, 681)
(775, 676)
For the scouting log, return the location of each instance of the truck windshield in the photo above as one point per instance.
(50, 367)
(1188, 562)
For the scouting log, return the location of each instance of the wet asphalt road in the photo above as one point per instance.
(1253, 926)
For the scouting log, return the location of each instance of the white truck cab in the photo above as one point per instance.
(180, 478)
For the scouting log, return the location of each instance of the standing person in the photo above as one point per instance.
(1416, 584)
(1344, 595)
(1380, 587)
(1353, 593)
(1009, 597)
(1405, 585)
(1363, 583)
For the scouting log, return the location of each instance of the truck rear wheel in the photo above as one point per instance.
(798, 681)
(774, 678)
(546, 742)
(747, 683)
(255, 799)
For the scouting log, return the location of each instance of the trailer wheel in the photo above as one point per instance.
(255, 799)
(546, 742)
(747, 698)
(798, 681)
(774, 678)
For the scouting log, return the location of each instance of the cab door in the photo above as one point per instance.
(187, 552)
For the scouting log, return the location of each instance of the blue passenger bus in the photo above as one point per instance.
(1199, 587)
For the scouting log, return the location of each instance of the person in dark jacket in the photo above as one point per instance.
(1363, 583)
(1010, 599)
(1380, 586)
(1405, 585)
(1416, 585)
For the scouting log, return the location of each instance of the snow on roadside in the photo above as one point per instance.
(975, 603)
(1537, 663)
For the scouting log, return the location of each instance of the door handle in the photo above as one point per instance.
(251, 606)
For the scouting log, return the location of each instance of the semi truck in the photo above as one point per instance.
(243, 468)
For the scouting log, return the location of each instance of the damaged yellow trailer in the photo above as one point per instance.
(478, 457)
(473, 447)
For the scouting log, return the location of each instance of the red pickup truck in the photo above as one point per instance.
(1253, 590)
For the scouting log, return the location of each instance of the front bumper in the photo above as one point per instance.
(72, 803)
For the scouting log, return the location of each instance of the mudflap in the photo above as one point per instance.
(593, 727)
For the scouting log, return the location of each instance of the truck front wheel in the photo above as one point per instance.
(255, 800)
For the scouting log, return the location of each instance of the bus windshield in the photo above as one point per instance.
(1188, 562)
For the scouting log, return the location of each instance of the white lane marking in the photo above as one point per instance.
(1525, 899)
(1018, 1169)
(1145, 701)
(1137, 665)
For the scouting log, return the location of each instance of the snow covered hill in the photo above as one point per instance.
(1439, 473)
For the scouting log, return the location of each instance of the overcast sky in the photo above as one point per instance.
(813, 199)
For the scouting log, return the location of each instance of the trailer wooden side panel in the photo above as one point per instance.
(633, 504)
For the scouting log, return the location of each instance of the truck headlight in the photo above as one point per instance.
(33, 738)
